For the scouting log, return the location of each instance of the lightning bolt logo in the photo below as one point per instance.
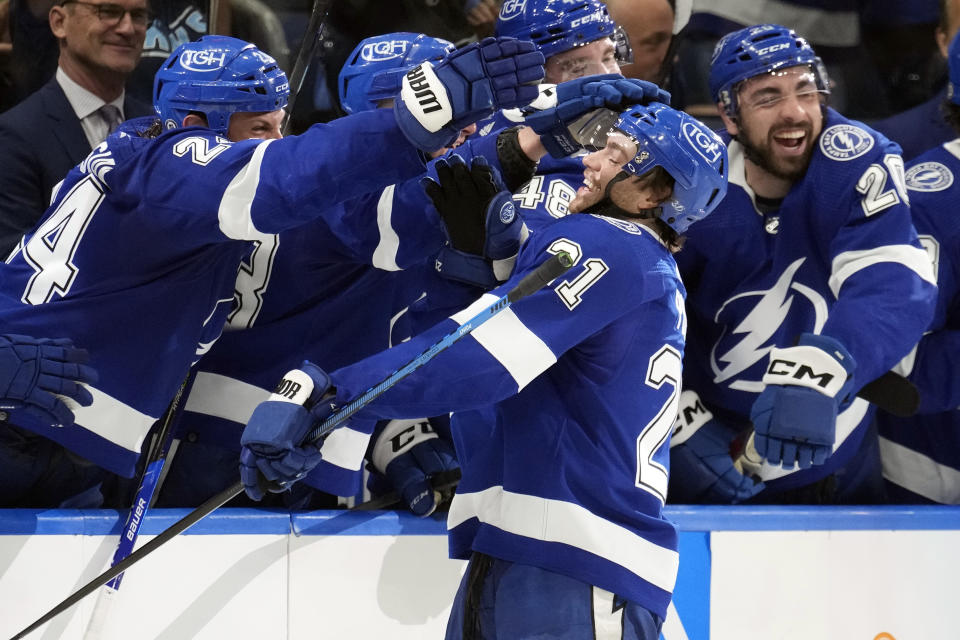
(757, 327)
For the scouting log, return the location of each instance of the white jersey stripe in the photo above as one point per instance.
(345, 448)
(234, 212)
(215, 395)
(519, 350)
(567, 523)
(113, 420)
(850, 262)
(385, 255)
(918, 473)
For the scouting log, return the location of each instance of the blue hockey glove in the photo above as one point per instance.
(795, 417)
(408, 453)
(436, 102)
(43, 377)
(484, 231)
(273, 453)
(561, 113)
(701, 467)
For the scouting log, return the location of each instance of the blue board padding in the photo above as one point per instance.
(263, 521)
(691, 596)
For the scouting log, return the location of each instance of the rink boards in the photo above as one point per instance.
(746, 573)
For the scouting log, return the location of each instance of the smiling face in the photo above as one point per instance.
(600, 167)
(778, 121)
(98, 45)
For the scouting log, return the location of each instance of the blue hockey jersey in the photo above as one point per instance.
(921, 454)
(584, 379)
(335, 307)
(838, 258)
(136, 258)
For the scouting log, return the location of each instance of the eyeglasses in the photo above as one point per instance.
(113, 13)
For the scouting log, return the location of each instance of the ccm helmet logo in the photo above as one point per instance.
(596, 16)
(705, 143)
(773, 48)
(383, 50)
(511, 9)
(206, 60)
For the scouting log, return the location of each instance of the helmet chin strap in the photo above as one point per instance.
(607, 207)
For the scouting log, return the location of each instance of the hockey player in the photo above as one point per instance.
(559, 509)
(806, 283)
(921, 454)
(578, 40)
(290, 300)
(137, 257)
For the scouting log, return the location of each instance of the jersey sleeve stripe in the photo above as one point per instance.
(345, 448)
(213, 394)
(234, 213)
(919, 473)
(521, 352)
(567, 523)
(385, 255)
(113, 420)
(850, 262)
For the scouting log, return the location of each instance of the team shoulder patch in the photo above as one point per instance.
(929, 176)
(845, 142)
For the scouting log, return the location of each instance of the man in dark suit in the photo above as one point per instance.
(52, 130)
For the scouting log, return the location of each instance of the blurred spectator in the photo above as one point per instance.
(924, 126)
(174, 22)
(649, 25)
(34, 50)
(482, 16)
(6, 79)
(44, 136)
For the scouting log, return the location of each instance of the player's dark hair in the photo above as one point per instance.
(951, 113)
(154, 130)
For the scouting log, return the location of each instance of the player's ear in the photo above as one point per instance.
(194, 120)
(728, 122)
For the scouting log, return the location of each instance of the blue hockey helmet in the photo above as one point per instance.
(375, 68)
(756, 50)
(556, 26)
(953, 62)
(693, 155)
(217, 76)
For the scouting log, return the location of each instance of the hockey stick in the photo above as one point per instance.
(891, 392)
(442, 484)
(311, 37)
(149, 482)
(551, 269)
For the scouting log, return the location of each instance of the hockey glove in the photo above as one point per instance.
(701, 467)
(436, 102)
(796, 415)
(273, 453)
(561, 113)
(43, 378)
(409, 453)
(484, 231)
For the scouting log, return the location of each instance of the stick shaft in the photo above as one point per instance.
(308, 47)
